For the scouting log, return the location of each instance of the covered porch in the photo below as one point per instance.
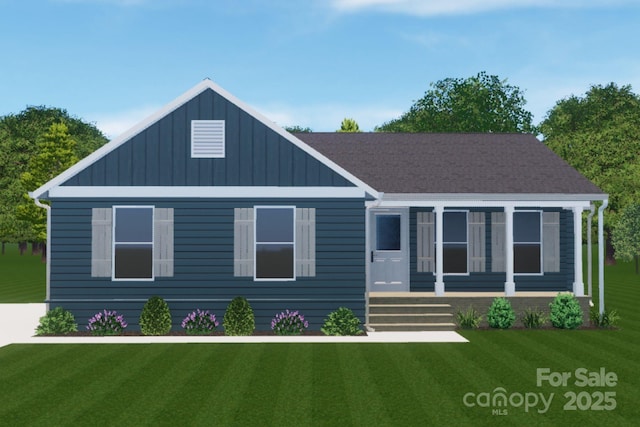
(460, 248)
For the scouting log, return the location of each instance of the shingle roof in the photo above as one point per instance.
(451, 163)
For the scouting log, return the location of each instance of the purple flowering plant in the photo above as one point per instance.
(289, 323)
(200, 323)
(107, 323)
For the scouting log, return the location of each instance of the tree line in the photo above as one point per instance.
(36, 145)
(598, 133)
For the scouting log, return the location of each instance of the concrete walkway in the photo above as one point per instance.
(18, 323)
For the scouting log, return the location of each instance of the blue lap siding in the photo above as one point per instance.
(489, 281)
(203, 263)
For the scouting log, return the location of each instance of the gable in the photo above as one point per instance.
(254, 155)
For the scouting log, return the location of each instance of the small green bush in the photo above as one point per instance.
(501, 314)
(341, 322)
(57, 321)
(533, 318)
(239, 318)
(609, 318)
(468, 319)
(155, 318)
(566, 312)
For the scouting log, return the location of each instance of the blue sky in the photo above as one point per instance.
(305, 62)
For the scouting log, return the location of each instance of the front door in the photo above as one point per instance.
(389, 250)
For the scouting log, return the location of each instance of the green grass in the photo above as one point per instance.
(324, 384)
(22, 277)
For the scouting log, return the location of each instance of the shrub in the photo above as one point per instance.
(57, 321)
(107, 323)
(155, 318)
(341, 322)
(200, 323)
(609, 318)
(239, 319)
(501, 314)
(468, 319)
(289, 323)
(533, 318)
(566, 312)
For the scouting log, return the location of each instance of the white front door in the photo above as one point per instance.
(389, 250)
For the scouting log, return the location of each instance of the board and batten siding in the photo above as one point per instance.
(254, 154)
(559, 270)
(203, 264)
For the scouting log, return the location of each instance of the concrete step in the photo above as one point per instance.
(413, 327)
(410, 318)
(409, 308)
(406, 300)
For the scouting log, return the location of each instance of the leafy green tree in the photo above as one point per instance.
(482, 103)
(55, 154)
(626, 235)
(297, 129)
(19, 135)
(349, 125)
(598, 135)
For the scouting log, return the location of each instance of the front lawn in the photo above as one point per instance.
(332, 384)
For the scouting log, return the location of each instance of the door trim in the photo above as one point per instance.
(404, 244)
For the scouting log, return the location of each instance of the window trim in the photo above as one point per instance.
(256, 243)
(540, 243)
(114, 209)
(466, 233)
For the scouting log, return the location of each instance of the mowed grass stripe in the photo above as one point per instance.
(293, 399)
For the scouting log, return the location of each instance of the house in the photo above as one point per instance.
(208, 199)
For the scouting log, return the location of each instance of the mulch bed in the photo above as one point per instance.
(184, 334)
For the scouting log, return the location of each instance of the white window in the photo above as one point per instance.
(133, 243)
(527, 242)
(455, 242)
(274, 243)
(207, 139)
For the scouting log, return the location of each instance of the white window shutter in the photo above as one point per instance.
(163, 242)
(207, 139)
(498, 242)
(101, 237)
(551, 242)
(305, 242)
(477, 240)
(243, 242)
(425, 242)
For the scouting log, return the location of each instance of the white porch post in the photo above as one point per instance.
(439, 285)
(578, 284)
(509, 285)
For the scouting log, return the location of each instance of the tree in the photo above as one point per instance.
(19, 134)
(56, 153)
(482, 103)
(349, 125)
(598, 135)
(626, 235)
(297, 129)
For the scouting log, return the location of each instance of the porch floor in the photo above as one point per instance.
(462, 294)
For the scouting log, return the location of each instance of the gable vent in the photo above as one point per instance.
(207, 138)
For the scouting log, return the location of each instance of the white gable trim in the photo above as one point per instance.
(230, 192)
(172, 106)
